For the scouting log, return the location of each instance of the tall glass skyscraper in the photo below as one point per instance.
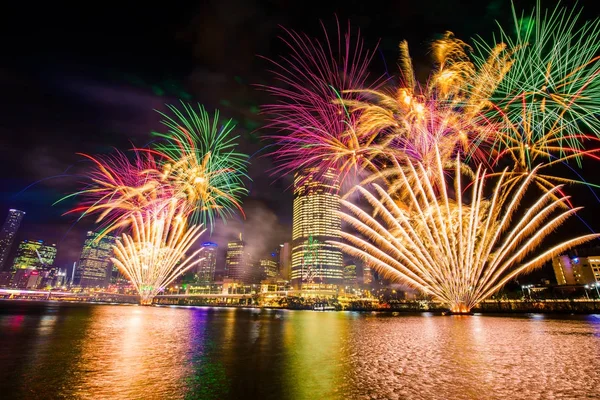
(316, 221)
(95, 268)
(205, 269)
(8, 233)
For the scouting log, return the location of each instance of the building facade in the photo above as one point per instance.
(238, 262)
(7, 235)
(350, 278)
(94, 268)
(269, 266)
(367, 275)
(576, 270)
(34, 254)
(285, 260)
(205, 269)
(315, 222)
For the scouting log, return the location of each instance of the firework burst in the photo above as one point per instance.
(199, 162)
(192, 174)
(459, 250)
(119, 187)
(546, 103)
(154, 254)
(317, 130)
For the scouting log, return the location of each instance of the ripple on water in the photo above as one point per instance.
(123, 352)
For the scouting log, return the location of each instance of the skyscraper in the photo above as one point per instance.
(315, 221)
(269, 266)
(34, 254)
(238, 263)
(367, 275)
(8, 233)
(95, 268)
(205, 269)
(350, 278)
(285, 260)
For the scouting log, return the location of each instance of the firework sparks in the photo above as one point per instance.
(546, 103)
(118, 188)
(460, 251)
(200, 164)
(191, 175)
(317, 129)
(154, 254)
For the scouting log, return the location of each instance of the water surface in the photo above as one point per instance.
(79, 351)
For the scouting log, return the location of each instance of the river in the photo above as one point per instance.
(83, 351)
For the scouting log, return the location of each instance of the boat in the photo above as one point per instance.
(323, 307)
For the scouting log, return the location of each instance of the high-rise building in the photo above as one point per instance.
(238, 263)
(34, 254)
(285, 260)
(94, 268)
(315, 222)
(350, 275)
(8, 233)
(269, 266)
(205, 269)
(367, 275)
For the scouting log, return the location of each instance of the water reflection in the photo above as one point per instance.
(126, 352)
(313, 345)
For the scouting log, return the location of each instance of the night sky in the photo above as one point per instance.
(87, 77)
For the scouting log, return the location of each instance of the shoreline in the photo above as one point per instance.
(392, 311)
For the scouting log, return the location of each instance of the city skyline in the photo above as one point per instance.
(271, 199)
(108, 98)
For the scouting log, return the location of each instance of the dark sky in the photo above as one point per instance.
(85, 77)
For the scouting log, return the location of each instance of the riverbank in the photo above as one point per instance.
(566, 306)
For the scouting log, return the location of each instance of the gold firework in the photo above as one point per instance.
(460, 250)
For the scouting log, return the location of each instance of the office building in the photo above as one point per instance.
(350, 275)
(238, 262)
(367, 275)
(7, 235)
(285, 260)
(315, 222)
(576, 270)
(269, 266)
(94, 268)
(205, 269)
(34, 254)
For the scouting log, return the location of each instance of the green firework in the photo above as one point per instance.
(199, 158)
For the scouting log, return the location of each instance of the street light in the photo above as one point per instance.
(595, 285)
(586, 292)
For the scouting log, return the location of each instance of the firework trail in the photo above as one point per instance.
(117, 188)
(459, 250)
(198, 161)
(316, 128)
(154, 254)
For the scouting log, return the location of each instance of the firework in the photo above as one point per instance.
(445, 114)
(459, 250)
(317, 130)
(199, 162)
(546, 103)
(154, 254)
(118, 188)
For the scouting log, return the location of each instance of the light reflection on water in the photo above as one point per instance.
(50, 350)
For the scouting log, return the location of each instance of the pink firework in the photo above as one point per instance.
(315, 129)
(118, 187)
